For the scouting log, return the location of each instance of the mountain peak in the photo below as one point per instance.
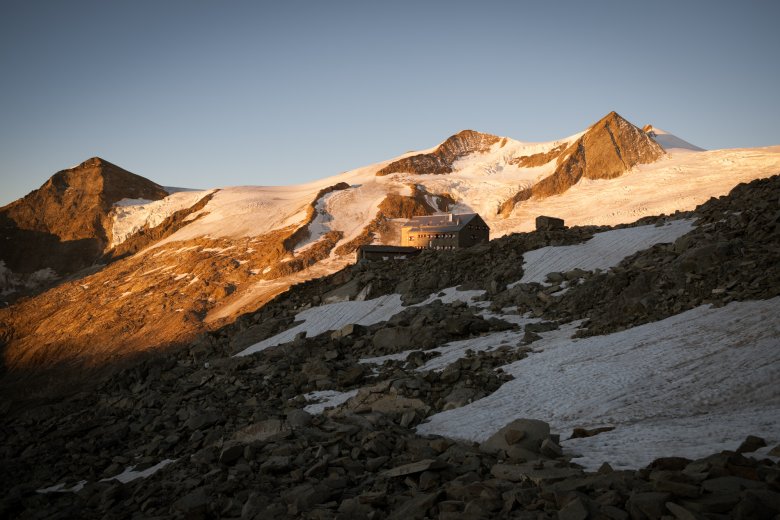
(65, 224)
(440, 160)
(609, 148)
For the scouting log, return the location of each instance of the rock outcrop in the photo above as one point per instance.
(608, 149)
(65, 224)
(441, 159)
(538, 159)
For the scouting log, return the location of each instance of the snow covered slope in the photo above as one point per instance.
(670, 141)
(664, 386)
(481, 183)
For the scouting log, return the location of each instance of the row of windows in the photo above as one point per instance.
(437, 247)
(436, 235)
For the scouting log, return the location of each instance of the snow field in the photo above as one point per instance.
(680, 181)
(333, 316)
(689, 385)
(131, 215)
(603, 251)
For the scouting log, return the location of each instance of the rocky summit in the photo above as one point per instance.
(284, 414)
(606, 150)
(65, 225)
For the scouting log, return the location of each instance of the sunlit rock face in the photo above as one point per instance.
(440, 160)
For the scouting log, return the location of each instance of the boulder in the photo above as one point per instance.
(393, 339)
(751, 444)
(262, 431)
(415, 467)
(527, 434)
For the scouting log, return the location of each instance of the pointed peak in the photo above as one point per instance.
(94, 162)
(470, 136)
(610, 117)
(467, 132)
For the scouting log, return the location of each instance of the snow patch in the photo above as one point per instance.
(60, 488)
(455, 350)
(131, 215)
(603, 251)
(671, 142)
(130, 474)
(662, 385)
(323, 399)
(216, 249)
(11, 282)
(333, 316)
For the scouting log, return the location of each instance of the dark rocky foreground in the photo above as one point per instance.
(244, 447)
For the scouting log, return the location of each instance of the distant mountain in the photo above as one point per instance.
(195, 260)
(65, 225)
(669, 141)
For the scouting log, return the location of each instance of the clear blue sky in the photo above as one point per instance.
(203, 94)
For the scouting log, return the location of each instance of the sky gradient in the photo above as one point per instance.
(206, 94)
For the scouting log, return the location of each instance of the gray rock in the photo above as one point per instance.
(193, 502)
(262, 431)
(205, 420)
(253, 506)
(729, 485)
(298, 418)
(550, 449)
(533, 433)
(305, 496)
(751, 444)
(347, 330)
(529, 472)
(393, 339)
(574, 510)
(276, 464)
(415, 508)
(679, 512)
(647, 505)
(415, 467)
(231, 452)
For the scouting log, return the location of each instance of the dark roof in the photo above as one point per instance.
(446, 222)
(389, 249)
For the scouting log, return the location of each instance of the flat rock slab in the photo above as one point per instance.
(262, 431)
(415, 467)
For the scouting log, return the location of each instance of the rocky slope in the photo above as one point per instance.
(210, 435)
(608, 149)
(440, 161)
(65, 225)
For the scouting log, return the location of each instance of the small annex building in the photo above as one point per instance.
(445, 231)
(382, 252)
